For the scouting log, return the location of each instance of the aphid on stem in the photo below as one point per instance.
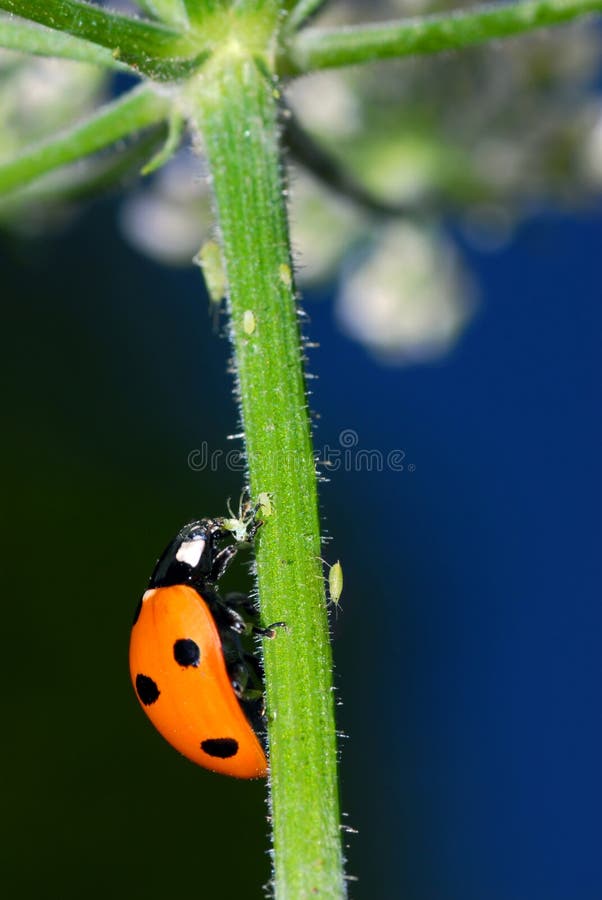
(335, 583)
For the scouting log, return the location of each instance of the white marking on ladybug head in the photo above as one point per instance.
(148, 594)
(190, 552)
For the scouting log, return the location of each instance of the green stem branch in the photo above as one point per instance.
(139, 109)
(304, 10)
(94, 180)
(156, 50)
(29, 38)
(323, 48)
(235, 109)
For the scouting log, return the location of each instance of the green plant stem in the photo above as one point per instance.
(235, 109)
(303, 11)
(77, 186)
(29, 38)
(137, 110)
(323, 48)
(152, 48)
(175, 130)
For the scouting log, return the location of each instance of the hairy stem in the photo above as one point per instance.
(323, 48)
(303, 10)
(235, 108)
(139, 109)
(28, 38)
(152, 48)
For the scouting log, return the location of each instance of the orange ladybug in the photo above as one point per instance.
(192, 674)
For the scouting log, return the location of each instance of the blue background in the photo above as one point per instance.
(468, 646)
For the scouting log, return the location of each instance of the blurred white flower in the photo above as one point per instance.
(170, 219)
(409, 298)
(323, 225)
(487, 134)
(591, 153)
(339, 110)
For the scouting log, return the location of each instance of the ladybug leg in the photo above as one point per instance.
(248, 615)
(221, 561)
(246, 684)
(255, 523)
(268, 632)
(238, 679)
(235, 621)
(248, 514)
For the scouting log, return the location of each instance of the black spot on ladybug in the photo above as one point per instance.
(222, 748)
(186, 652)
(137, 613)
(147, 690)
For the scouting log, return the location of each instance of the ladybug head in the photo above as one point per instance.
(190, 557)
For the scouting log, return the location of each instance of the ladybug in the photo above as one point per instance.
(193, 672)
